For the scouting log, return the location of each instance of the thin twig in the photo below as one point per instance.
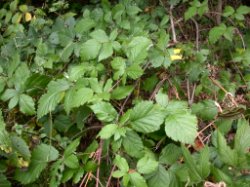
(188, 92)
(99, 163)
(197, 34)
(192, 96)
(172, 24)
(171, 21)
(110, 176)
(157, 88)
(219, 9)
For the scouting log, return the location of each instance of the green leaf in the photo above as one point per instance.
(13, 102)
(20, 146)
(27, 105)
(121, 92)
(189, 160)
(137, 49)
(84, 25)
(67, 175)
(226, 154)
(2, 83)
(100, 36)
(4, 181)
(78, 175)
(71, 148)
(229, 33)
(191, 12)
(5, 142)
(206, 109)
(48, 102)
(121, 163)
(168, 156)
(219, 175)
(35, 83)
(119, 65)
(160, 178)
(118, 174)
(204, 164)
(132, 144)
(181, 127)
(137, 180)
(104, 111)
(77, 97)
(174, 107)
(133, 10)
(134, 71)
(243, 10)
(90, 49)
(161, 98)
(146, 117)
(41, 155)
(106, 51)
(71, 161)
(67, 52)
(216, 32)
(146, 165)
(8, 94)
(242, 137)
(228, 11)
(77, 71)
(107, 131)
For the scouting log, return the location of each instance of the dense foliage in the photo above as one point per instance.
(128, 93)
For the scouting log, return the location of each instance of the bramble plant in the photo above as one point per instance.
(124, 93)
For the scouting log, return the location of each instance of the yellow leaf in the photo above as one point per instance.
(177, 51)
(19, 19)
(23, 163)
(28, 16)
(6, 149)
(176, 57)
